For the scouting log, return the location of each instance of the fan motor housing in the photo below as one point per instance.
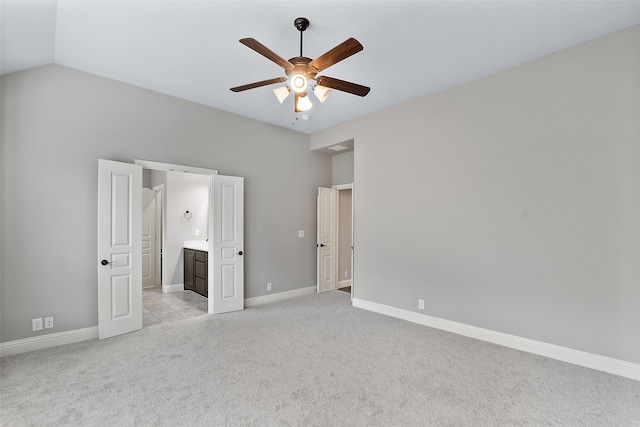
(301, 66)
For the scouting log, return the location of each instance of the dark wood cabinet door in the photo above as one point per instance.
(201, 286)
(189, 269)
(201, 269)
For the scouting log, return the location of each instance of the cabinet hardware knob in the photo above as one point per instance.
(240, 253)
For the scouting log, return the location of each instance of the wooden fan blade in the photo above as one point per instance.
(337, 54)
(258, 84)
(266, 52)
(342, 85)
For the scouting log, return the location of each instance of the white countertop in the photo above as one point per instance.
(198, 245)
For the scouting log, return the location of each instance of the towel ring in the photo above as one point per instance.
(187, 215)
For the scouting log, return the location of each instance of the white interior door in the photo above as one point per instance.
(148, 238)
(119, 248)
(160, 231)
(226, 256)
(327, 219)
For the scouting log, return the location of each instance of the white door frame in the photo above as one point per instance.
(148, 164)
(339, 187)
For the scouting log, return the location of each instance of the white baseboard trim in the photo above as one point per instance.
(46, 341)
(576, 357)
(280, 296)
(344, 283)
(167, 289)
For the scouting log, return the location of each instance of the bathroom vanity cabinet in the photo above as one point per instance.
(195, 271)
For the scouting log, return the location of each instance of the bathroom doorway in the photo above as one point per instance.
(119, 244)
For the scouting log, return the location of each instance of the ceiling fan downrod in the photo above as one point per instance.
(301, 24)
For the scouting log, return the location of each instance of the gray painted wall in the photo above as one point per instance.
(56, 124)
(342, 168)
(146, 178)
(512, 202)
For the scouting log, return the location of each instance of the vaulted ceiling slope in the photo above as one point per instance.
(190, 49)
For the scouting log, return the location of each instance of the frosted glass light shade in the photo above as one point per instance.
(322, 92)
(304, 103)
(298, 83)
(281, 93)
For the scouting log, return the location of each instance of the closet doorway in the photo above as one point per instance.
(335, 238)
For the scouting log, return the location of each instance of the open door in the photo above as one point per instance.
(226, 237)
(119, 248)
(149, 234)
(327, 218)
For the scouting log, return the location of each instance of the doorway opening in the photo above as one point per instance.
(169, 194)
(344, 240)
(120, 243)
(335, 238)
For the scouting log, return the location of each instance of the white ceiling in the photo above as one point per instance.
(190, 49)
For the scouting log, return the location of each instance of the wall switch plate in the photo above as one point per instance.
(269, 286)
(36, 324)
(48, 322)
(197, 232)
(421, 304)
(300, 233)
(346, 274)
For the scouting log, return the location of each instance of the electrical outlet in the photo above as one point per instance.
(346, 274)
(197, 232)
(421, 304)
(300, 233)
(269, 287)
(48, 322)
(36, 324)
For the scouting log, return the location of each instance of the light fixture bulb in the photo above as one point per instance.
(304, 103)
(322, 92)
(281, 93)
(298, 83)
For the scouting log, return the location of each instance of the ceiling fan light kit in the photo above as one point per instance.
(303, 103)
(298, 83)
(302, 71)
(322, 92)
(281, 93)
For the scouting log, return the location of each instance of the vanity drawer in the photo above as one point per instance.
(201, 256)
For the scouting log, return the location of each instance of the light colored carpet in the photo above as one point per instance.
(312, 360)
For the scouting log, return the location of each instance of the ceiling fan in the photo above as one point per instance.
(301, 71)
